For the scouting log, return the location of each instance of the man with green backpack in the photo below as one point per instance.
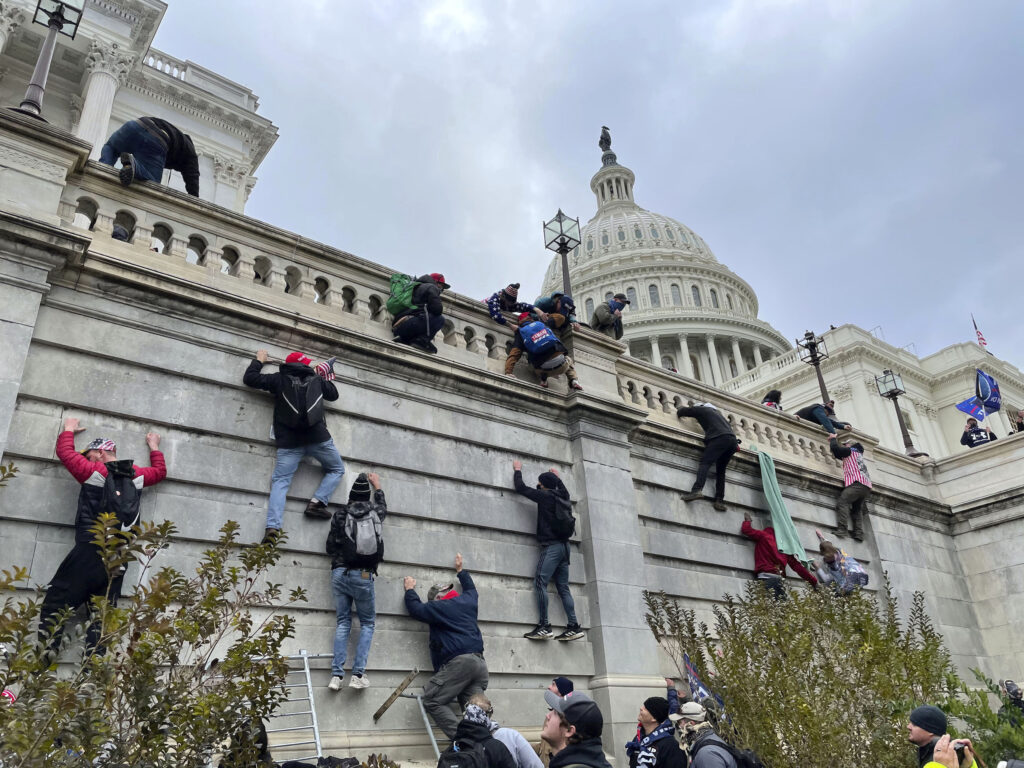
(415, 307)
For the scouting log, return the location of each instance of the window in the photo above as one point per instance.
(609, 296)
(261, 270)
(694, 367)
(589, 306)
(631, 295)
(654, 232)
(696, 295)
(228, 260)
(376, 305)
(292, 279)
(320, 288)
(638, 233)
(728, 300)
(714, 298)
(590, 243)
(732, 368)
(622, 235)
(195, 250)
(671, 234)
(683, 237)
(85, 213)
(161, 239)
(906, 418)
(652, 291)
(604, 238)
(126, 221)
(677, 296)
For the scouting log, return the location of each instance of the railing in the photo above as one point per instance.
(166, 64)
(767, 369)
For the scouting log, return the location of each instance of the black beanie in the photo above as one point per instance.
(658, 707)
(360, 489)
(929, 718)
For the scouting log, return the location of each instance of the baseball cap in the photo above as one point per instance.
(621, 297)
(99, 444)
(579, 711)
(440, 589)
(297, 357)
(691, 710)
(439, 279)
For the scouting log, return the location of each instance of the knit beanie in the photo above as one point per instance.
(929, 718)
(360, 489)
(512, 290)
(658, 707)
(549, 480)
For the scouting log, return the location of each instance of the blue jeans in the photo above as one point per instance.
(284, 470)
(148, 152)
(554, 562)
(350, 587)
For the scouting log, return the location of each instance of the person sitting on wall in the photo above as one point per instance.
(507, 300)
(824, 415)
(974, 435)
(607, 317)
(857, 487)
(655, 745)
(418, 324)
(772, 399)
(561, 304)
(769, 563)
(840, 570)
(299, 429)
(545, 352)
(720, 443)
(146, 147)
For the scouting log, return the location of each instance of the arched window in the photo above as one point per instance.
(609, 296)
(292, 278)
(696, 295)
(652, 291)
(228, 260)
(320, 288)
(714, 298)
(196, 250)
(683, 237)
(638, 233)
(671, 234)
(126, 221)
(85, 213)
(590, 243)
(728, 300)
(654, 232)
(631, 295)
(261, 270)
(604, 238)
(622, 235)
(376, 307)
(589, 305)
(161, 239)
(677, 296)
(695, 367)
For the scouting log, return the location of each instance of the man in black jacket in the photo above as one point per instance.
(974, 435)
(553, 534)
(149, 145)
(355, 531)
(822, 414)
(720, 444)
(456, 645)
(299, 429)
(477, 727)
(572, 729)
(418, 325)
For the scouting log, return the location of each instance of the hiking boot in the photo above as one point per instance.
(858, 534)
(271, 535)
(127, 172)
(540, 632)
(572, 632)
(691, 496)
(359, 681)
(335, 684)
(317, 509)
(720, 505)
(429, 348)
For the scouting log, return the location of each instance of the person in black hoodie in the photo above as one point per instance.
(974, 435)
(149, 145)
(572, 729)
(720, 443)
(418, 325)
(555, 526)
(477, 727)
(299, 429)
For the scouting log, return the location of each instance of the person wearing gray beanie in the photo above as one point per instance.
(926, 724)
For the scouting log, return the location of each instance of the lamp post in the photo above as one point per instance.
(813, 351)
(60, 16)
(561, 235)
(890, 385)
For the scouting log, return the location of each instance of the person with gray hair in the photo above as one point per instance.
(456, 645)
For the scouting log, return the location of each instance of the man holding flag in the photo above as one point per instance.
(974, 435)
(986, 400)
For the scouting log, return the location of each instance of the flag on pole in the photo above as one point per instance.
(981, 339)
(986, 397)
(698, 691)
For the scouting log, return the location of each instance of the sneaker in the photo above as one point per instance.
(574, 384)
(335, 684)
(691, 496)
(359, 681)
(317, 509)
(127, 172)
(540, 632)
(720, 505)
(430, 348)
(544, 383)
(271, 535)
(572, 632)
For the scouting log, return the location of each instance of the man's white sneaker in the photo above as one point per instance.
(359, 681)
(335, 684)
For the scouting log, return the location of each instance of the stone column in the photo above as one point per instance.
(655, 352)
(740, 367)
(757, 354)
(108, 66)
(684, 352)
(716, 368)
(11, 17)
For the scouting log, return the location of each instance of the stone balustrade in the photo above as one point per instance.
(166, 64)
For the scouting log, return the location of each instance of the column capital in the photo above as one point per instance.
(110, 59)
(11, 17)
(231, 172)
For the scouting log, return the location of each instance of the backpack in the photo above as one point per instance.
(121, 496)
(363, 529)
(301, 401)
(463, 754)
(400, 299)
(563, 524)
(744, 758)
(538, 338)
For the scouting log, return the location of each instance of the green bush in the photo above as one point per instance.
(997, 734)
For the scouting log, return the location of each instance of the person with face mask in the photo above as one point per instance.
(705, 748)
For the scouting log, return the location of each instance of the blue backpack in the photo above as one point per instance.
(538, 338)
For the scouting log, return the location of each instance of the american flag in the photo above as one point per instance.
(981, 339)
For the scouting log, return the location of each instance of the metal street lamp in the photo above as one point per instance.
(562, 234)
(890, 385)
(812, 351)
(60, 16)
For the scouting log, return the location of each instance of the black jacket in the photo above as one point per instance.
(285, 436)
(427, 293)
(711, 421)
(341, 548)
(545, 501)
(667, 754)
(925, 753)
(181, 153)
(976, 436)
(453, 628)
(497, 753)
(588, 752)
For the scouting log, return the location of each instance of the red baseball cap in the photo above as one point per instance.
(439, 279)
(297, 357)
(524, 317)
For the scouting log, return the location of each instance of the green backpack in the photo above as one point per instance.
(400, 299)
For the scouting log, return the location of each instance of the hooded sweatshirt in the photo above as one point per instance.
(285, 436)
(710, 419)
(545, 500)
(181, 153)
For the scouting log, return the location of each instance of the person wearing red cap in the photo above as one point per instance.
(299, 429)
(417, 325)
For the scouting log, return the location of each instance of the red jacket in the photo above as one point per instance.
(768, 559)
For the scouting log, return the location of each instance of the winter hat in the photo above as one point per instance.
(297, 357)
(100, 444)
(551, 481)
(579, 711)
(325, 370)
(564, 685)
(691, 710)
(445, 590)
(512, 290)
(658, 707)
(360, 489)
(929, 718)
(438, 278)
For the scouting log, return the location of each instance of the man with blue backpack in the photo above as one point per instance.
(416, 309)
(555, 526)
(545, 352)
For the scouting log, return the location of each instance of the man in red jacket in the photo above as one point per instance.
(82, 575)
(769, 563)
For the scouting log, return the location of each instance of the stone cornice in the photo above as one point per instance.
(143, 17)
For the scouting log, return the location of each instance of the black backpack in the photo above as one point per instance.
(744, 758)
(563, 524)
(463, 754)
(300, 401)
(121, 497)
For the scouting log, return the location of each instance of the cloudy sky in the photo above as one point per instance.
(854, 161)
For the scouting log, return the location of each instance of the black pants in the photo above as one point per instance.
(418, 327)
(718, 452)
(80, 577)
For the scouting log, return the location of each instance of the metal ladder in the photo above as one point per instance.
(307, 684)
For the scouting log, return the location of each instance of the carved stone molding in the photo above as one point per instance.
(110, 59)
(39, 167)
(841, 392)
(75, 104)
(11, 17)
(231, 172)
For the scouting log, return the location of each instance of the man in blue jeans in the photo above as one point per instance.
(299, 429)
(555, 526)
(356, 548)
(824, 415)
(149, 145)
